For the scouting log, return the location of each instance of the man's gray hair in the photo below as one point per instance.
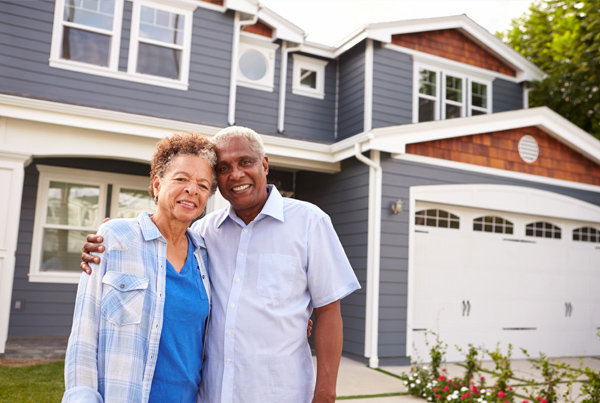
(246, 133)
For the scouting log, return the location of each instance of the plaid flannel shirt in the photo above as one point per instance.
(118, 317)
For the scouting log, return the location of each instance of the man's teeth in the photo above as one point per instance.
(187, 203)
(242, 187)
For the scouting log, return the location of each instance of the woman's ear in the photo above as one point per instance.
(156, 185)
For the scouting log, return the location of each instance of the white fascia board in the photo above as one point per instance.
(284, 29)
(186, 4)
(316, 49)
(526, 71)
(93, 118)
(244, 6)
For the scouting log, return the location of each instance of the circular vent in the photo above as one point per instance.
(528, 149)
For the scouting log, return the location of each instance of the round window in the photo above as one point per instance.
(253, 65)
(528, 149)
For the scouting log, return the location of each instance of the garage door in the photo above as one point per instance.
(484, 276)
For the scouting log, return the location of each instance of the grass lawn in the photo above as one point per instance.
(41, 383)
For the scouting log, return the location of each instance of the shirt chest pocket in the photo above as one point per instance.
(276, 275)
(123, 298)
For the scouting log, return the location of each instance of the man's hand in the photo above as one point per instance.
(328, 345)
(309, 328)
(93, 244)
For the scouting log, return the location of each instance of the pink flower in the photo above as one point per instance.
(543, 401)
(525, 401)
(446, 388)
(441, 378)
(501, 394)
(434, 389)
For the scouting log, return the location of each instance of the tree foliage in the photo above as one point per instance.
(562, 37)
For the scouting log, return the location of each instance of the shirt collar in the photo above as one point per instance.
(273, 207)
(150, 231)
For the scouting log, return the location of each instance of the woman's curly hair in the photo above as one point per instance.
(182, 144)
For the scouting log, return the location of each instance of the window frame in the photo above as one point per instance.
(312, 64)
(468, 77)
(183, 7)
(268, 50)
(49, 174)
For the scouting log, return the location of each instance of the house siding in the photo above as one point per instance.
(351, 92)
(345, 197)
(507, 96)
(26, 33)
(392, 87)
(398, 178)
(307, 117)
(47, 308)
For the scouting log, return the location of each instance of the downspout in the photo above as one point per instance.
(368, 100)
(283, 84)
(373, 254)
(237, 28)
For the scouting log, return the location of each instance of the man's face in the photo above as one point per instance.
(242, 177)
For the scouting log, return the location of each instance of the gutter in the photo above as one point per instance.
(237, 27)
(373, 254)
(283, 84)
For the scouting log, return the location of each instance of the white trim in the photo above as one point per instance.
(210, 6)
(285, 51)
(368, 99)
(79, 176)
(267, 50)
(10, 206)
(495, 171)
(311, 64)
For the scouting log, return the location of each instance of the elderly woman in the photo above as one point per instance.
(140, 317)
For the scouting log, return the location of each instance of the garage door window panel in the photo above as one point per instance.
(542, 229)
(437, 218)
(493, 224)
(586, 234)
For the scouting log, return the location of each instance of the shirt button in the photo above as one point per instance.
(203, 277)
(237, 280)
(242, 254)
(122, 286)
(245, 230)
(229, 333)
(233, 305)
(228, 361)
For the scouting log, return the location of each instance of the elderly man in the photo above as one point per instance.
(272, 260)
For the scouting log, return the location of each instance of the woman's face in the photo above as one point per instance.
(184, 189)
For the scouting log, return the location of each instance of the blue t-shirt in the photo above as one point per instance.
(177, 374)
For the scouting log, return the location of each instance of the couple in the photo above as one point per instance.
(140, 317)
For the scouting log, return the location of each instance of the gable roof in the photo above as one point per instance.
(383, 32)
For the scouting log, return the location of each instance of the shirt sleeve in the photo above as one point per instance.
(330, 276)
(81, 362)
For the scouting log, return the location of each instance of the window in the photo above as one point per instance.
(72, 203)
(441, 94)
(309, 76)
(586, 234)
(437, 218)
(87, 38)
(256, 62)
(493, 224)
(542, 229)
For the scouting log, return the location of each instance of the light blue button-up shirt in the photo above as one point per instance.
(266, 278)
(118, 318)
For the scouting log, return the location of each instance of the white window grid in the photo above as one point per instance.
(182, 7)
(493, 224)
(437, 218)
(542, 229)
(50, 174)
(586, 234)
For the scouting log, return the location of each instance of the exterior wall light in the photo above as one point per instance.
(397, 207)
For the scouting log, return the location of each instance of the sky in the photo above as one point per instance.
(328, 21)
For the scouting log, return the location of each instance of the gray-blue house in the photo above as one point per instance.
(462, 211)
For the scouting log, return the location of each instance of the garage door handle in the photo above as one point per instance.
(568, 309)
(464, 307)
(468, 308)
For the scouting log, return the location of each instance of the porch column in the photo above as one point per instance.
(12, 172)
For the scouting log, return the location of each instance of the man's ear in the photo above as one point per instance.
(265, 163)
